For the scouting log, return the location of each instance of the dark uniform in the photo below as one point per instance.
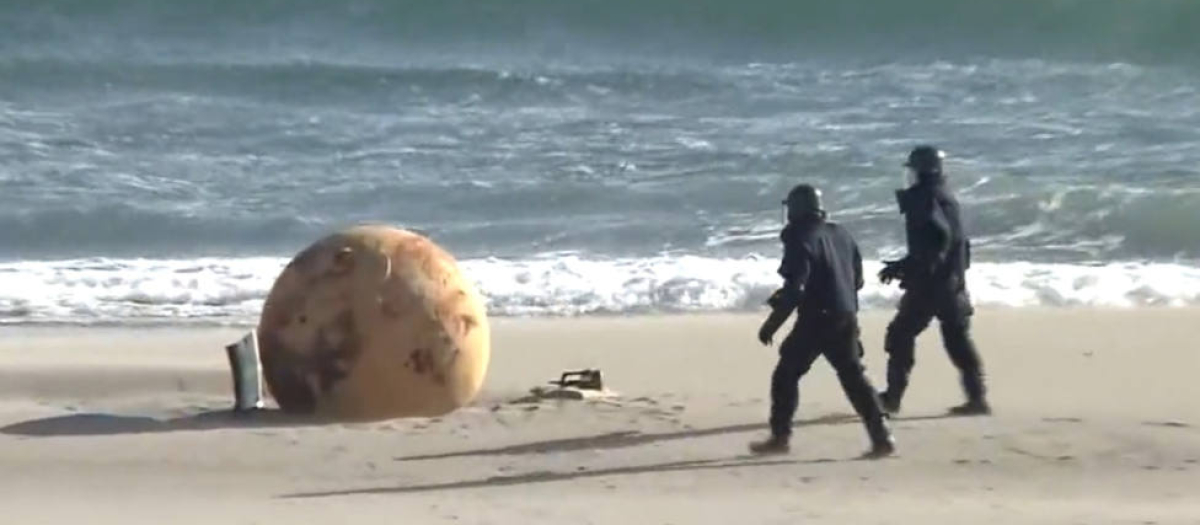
(933, 276)
(822, 272)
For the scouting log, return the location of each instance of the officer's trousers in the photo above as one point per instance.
(836, 336)
(918, 307)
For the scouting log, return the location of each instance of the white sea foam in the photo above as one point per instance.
(232, 290)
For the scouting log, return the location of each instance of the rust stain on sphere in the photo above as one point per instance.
(373, 322)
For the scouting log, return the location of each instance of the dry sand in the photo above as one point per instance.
(1097, 421)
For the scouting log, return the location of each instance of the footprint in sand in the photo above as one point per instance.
(1062, 420)
(969, 461)
(661, 415)
(1170, 424)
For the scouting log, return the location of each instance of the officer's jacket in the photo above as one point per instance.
(938, 248)
(822, 267)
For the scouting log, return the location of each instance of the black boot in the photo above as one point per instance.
(965, 357)
(773, 445)
(881, 449)
(976, 404)
(865, 400)
(889, 403)
(882, 442)
(898, 369)
(974, 407)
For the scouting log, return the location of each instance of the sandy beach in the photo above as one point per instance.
(1097, 421)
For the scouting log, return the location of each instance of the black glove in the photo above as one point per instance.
(775, 298)
(781, 309)
(766, 333)
(892, 271)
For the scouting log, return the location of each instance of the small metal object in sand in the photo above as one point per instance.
(247, 373)
(589, 379)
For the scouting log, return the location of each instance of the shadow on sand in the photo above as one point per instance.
(633, 438)
(604, 441)
(97, 424)
(94, 424)
(551, 477)
(106, 424)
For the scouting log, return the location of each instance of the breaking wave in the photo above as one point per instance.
(231, 291)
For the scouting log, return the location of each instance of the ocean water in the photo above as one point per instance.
(160, 161)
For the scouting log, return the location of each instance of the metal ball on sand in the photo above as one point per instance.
(373, 322)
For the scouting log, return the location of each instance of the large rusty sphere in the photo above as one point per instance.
(373, 322)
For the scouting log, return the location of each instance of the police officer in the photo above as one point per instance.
(822, 272)
(933, 276)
